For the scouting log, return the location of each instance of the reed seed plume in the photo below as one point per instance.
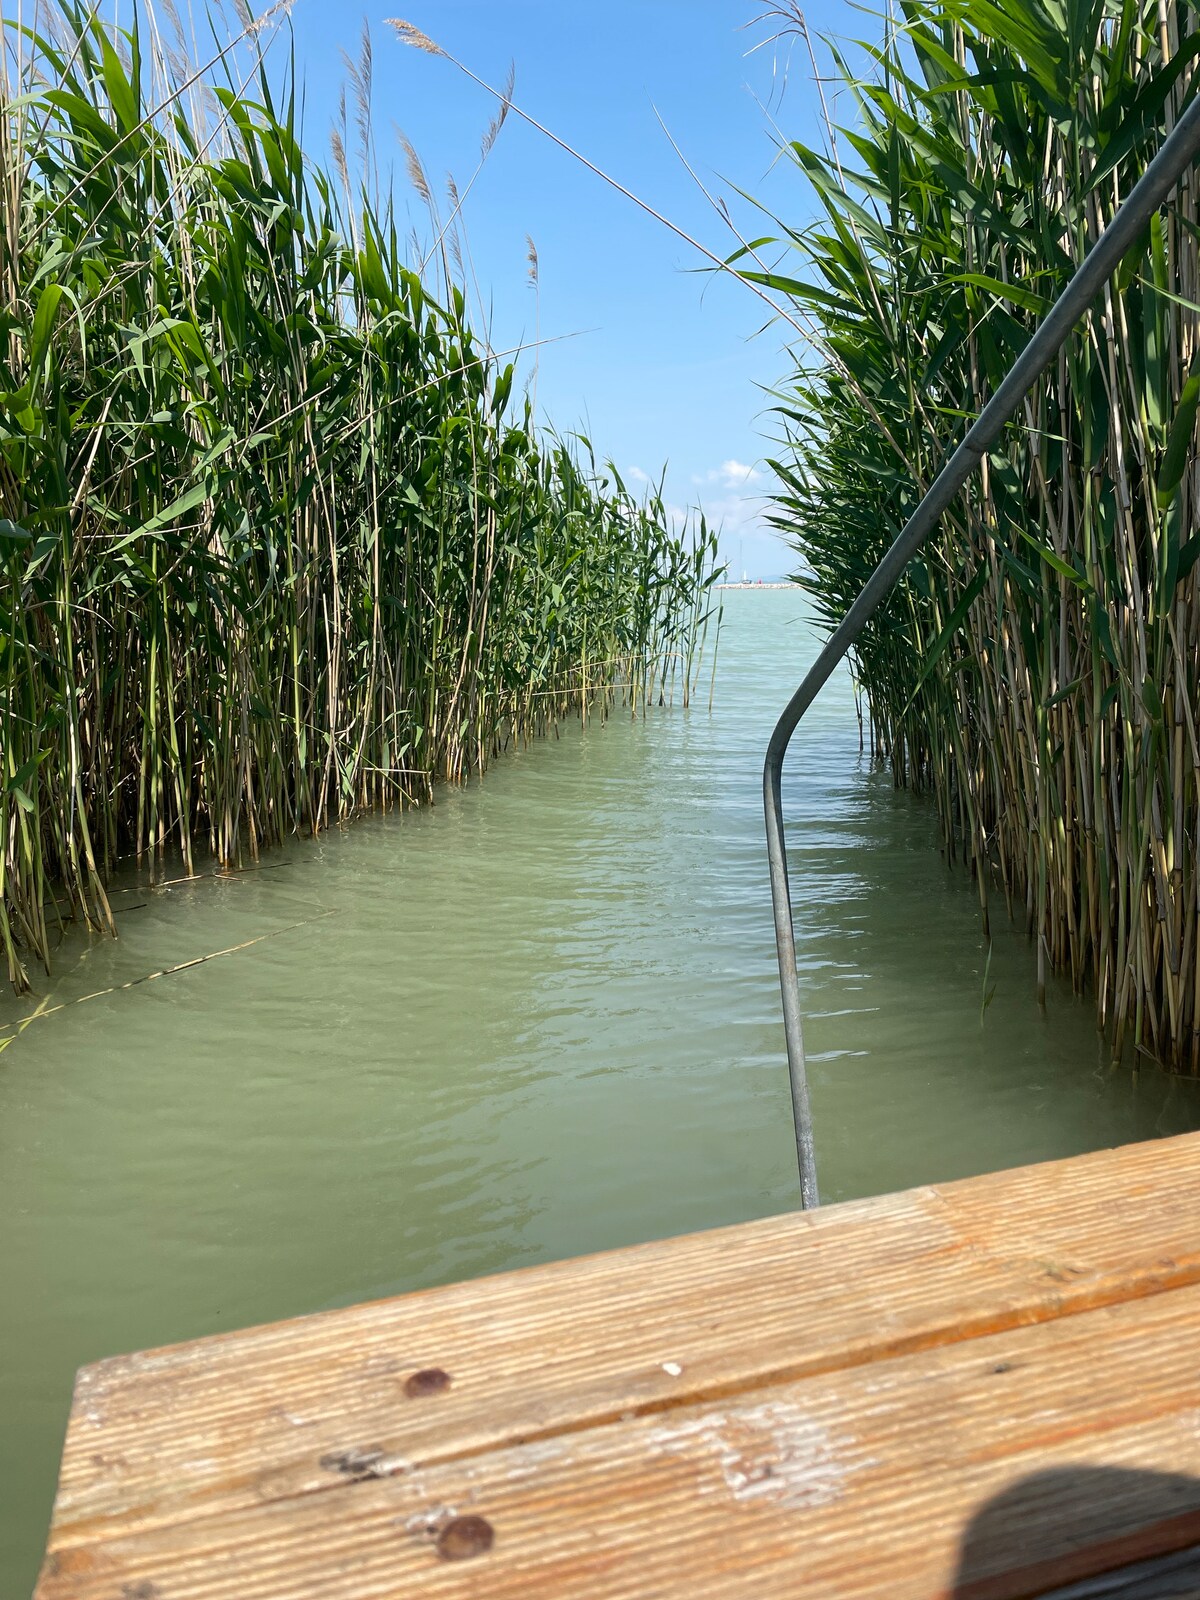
(413, 36)
(531, 257)
(338, 150)
(366, 60)
(273, 14)
(414, 167)
(171, 11)
(492, 131)
(361, 73)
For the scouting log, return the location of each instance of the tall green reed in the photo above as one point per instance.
(279, 538)
(1039, 667)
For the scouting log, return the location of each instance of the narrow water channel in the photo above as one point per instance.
(538, 1019)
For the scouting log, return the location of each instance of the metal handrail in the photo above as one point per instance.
(1179, 149)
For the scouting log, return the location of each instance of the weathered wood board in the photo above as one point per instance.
(985, 1390)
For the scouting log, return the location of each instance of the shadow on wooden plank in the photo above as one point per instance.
(1085, 1533)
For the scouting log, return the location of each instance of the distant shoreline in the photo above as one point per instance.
(757, 586)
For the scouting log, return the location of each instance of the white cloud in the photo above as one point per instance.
(730, 474)
(735, 499)
(637, 475)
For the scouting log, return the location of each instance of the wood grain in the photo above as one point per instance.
(807, 1404)
(863, 1482)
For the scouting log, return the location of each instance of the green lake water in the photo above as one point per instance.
(537, 1019)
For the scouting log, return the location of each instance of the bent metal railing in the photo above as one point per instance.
(1156, 183)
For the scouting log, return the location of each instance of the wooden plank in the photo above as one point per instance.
(1175, 1577)
(982, 1470)
(300, 1407)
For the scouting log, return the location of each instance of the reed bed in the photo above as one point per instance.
(1038, 668)
(280, 539)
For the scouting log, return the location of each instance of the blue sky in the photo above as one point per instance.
(667, 365)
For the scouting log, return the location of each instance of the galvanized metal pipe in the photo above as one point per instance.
(1178, 151)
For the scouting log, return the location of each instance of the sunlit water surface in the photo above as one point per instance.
(538, 1019)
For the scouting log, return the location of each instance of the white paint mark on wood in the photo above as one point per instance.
(430, 1522)
(774, 1451)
